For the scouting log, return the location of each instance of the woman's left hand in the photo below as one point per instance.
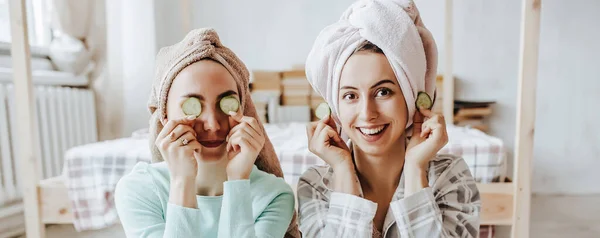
(244, 142)
(428, 138)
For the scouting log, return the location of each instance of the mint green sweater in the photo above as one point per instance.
(259, 207)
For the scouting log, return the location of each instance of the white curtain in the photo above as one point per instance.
(73, 23)
(80, 46)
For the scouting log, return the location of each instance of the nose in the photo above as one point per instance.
(367, 109)
(210, 120)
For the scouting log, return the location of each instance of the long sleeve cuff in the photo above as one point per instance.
(418, 214)
(351, 213)
(182, 221)
(236, 210)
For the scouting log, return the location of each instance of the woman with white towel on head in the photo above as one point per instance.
(376, 69)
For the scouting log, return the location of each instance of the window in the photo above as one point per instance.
(38, 17)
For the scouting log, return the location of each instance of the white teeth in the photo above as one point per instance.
(371, 131)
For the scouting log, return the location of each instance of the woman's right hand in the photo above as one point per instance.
(325, 142)
(178, 146)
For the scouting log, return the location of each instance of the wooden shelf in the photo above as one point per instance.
(496, 203)
(54, 203)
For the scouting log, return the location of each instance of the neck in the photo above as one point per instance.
(210, 178)
(381, 172)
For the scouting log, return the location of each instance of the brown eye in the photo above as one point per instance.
(349, 96)
(383, 92)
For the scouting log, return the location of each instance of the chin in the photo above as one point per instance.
(379, 147)
(373, 149)
(213, 154)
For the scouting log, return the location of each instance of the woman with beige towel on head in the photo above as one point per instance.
(213, 165)
(376, 69)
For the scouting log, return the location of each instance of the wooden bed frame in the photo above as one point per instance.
(45, 202)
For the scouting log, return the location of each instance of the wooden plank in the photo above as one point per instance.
(496, 188)
(10, 210)
(12, 226)
(11, 220)
(14, 232)
(52, 182)
(26, 127)
(54, 201)
(266, 80)
(496, 209)
(448, 94)
(496, 203)
(526, 99)
(294, 74)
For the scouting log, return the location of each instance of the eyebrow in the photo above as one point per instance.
(222, 95)
(374, 85)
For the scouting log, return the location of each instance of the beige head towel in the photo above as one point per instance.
(202, 44)
(394, 26)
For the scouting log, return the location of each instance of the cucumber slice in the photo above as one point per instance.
(322, 110)
(229, 104)
(192, 106)
(423, 101)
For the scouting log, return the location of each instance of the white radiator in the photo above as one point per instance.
(65, 117)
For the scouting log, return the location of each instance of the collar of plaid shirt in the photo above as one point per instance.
(398, 194)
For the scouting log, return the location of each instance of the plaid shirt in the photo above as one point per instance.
(448, 208)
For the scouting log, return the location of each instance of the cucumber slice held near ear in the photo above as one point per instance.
(423, 101)
(322, 110)
(229, 104)
(192, 107)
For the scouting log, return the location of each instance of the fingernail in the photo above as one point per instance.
(191, 117)
(231, 113)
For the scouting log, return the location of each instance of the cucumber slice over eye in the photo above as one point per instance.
(322, 110)
(229, 104)
(423, 101)
(192, 106)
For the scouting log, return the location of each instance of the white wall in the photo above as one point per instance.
(268, 34)
(170, 22)
(568, 133)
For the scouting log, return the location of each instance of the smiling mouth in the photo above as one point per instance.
(372, 133)
(373, 130)
(212, 143)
